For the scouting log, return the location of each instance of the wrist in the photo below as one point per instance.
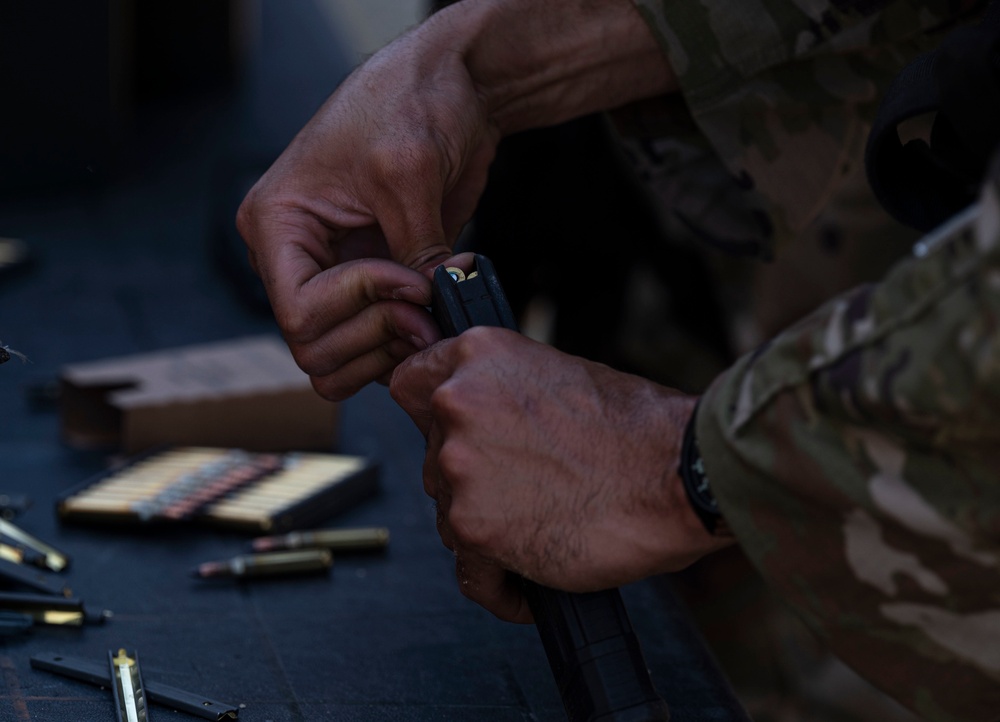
(700, 526)
(538, 64)
(694, 478)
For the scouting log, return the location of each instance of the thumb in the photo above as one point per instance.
(415, 380)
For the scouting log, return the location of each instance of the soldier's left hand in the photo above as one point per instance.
(548, 465)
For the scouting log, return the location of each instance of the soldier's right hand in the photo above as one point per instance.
(346, 226)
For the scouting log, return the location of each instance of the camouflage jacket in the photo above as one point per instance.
(856, 456)
(785, 90)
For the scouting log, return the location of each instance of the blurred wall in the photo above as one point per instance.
(74, 73)
(367, 25)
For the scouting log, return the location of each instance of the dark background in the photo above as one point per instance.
(129, 132)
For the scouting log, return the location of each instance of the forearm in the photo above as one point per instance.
(537, 64)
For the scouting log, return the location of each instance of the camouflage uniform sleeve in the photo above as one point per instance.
(856, 457)
(785, 90)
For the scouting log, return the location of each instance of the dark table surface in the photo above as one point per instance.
(123, 267)
(384, 637)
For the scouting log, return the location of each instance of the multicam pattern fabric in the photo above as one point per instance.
(785, 90)
(857, 455)
(857, 459)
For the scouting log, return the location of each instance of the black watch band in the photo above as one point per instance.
(695, 480)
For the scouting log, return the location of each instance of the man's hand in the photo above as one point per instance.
(346, 226)
(547, 465)
(390, 168)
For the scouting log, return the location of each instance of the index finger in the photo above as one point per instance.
(417, 378)
(310, 292)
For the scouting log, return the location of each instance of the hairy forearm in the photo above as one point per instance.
(537, 64)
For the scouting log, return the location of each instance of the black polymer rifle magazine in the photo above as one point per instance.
(593, 652)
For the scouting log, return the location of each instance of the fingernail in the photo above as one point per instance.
(413, 294)
(418, 343)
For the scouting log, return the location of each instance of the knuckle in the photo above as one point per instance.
(384, 159)
(331, 388)
(399, 381)
(476, 343)
(470, 529)
(452, 463)
(397, 388)
(295, 322)
(468, 526)
(448, 402)
(310, 358)
(245, 217)
(466, 530)
(252, 260)
(392, 161)
(358, 278)
(386, 321)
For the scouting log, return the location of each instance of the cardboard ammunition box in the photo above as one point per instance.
(246, 393)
